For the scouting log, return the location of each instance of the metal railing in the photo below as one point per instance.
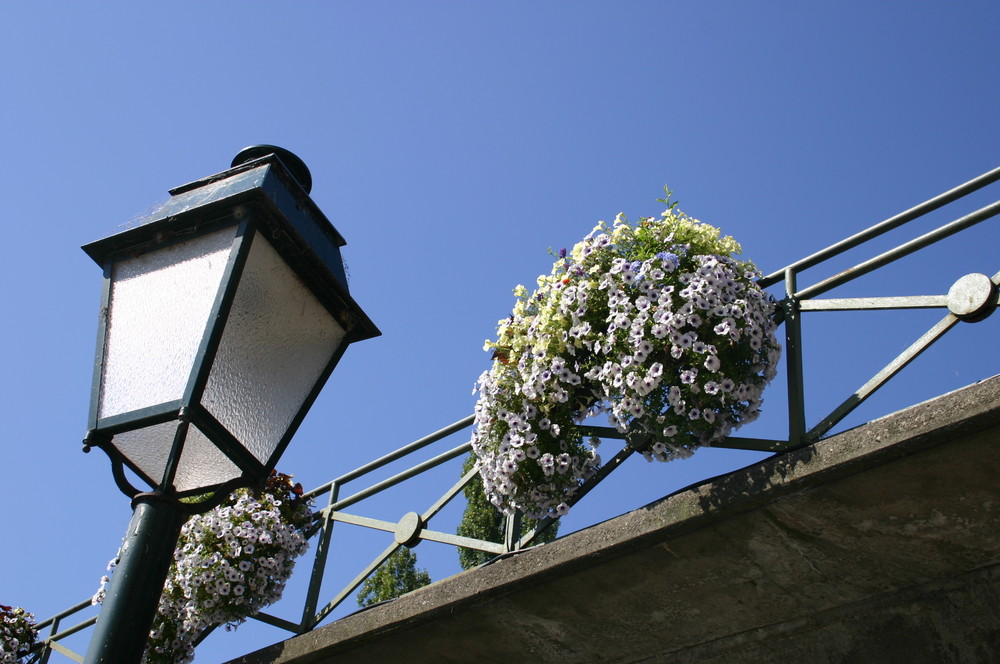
(414, 527)
(798, 300)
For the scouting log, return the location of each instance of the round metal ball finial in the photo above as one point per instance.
(295, 166)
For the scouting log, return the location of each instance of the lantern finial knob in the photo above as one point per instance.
(295, 166)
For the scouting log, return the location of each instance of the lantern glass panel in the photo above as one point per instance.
(278, 341)
(148, 448)
(202, 464)
(159, 306)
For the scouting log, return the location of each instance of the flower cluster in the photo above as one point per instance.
(229, 563)
(17, 634)
(657, 326)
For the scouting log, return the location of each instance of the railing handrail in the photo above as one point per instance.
(392, 456)
(882, 227)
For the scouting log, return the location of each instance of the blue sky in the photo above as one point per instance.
(452, 143)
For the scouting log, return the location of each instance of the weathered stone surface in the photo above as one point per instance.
(879, 544)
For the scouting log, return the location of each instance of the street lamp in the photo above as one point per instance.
(224, 311)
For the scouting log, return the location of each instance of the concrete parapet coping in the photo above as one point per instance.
(903, 505)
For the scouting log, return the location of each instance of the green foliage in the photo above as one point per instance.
(483, 521)
(398, 576)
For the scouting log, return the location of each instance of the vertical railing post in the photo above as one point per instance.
(319, 562)
(793, 355)
(47, 651)
(512, 532)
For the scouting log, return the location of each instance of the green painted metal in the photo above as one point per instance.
(393, 456)
(901, 251)
(63, 650)
(357, 581)
(889, 224)
(51, 641)
(875, 303)
(751, 444)
(308, 619)
(403, 476)
(793, 361)
(890, 370)
(795, 302)
(130, 605)
(447, 496)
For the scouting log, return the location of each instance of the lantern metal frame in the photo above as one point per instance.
(266, 201)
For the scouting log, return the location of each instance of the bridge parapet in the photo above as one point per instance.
(881, 543)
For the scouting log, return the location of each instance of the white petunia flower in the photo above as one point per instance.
(599, 334)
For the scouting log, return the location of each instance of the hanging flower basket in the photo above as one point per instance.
(657, 326)
(17, 634)
(230, 562)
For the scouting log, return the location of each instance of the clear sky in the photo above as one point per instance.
(452, 143)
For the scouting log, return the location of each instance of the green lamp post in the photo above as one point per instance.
(224, 311)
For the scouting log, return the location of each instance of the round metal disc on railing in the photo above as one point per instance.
(408, 530)
(972, 298)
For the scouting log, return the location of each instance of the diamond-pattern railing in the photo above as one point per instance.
(971, 299)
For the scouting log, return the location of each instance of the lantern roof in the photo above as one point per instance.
(299, 229)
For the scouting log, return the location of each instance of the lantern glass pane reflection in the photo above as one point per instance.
(148, 448)
(159, 306)
(202, 463)
(277, 342)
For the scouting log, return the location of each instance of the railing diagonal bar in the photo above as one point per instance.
(880, 379)
(275, 621)
(66, 652)
(54, 621)
(890, 370)
(584, 489)
(447, 496)
(357, 581)
(602, 432)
